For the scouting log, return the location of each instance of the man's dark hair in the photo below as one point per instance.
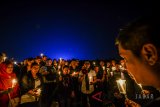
(34, 64)
(142, 31)
(8, 62)
(30, 59)
(65, 66)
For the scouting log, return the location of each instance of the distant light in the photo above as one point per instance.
(15, 62)
(41, 54)
(94, 63)
(60, 59)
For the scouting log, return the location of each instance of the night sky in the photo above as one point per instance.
(83, 30)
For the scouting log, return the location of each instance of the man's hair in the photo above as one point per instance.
(141, 31)
(34, 64)
(8, 62)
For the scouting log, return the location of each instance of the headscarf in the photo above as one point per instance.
(5, 78)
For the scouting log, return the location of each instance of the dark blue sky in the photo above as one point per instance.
(84, 30)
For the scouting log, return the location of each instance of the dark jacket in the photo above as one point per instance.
(28, 82)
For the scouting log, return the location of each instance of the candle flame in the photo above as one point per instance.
(140, 85)
(14, 82)
(121, 85)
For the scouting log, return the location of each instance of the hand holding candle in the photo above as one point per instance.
(104, 68)
(121, 86)
(111, 74)
(59, 73)
(38, 92)
(90, 79)
(74, 73)
(14, 82)
(59, 66)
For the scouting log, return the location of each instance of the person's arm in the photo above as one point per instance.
(105, 76)
(81, 76)
(24, 84)
(6, 91)
(94, 79)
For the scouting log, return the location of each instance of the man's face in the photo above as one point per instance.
(49, 62)
(136, 66)
(96, 69)
(65, 71)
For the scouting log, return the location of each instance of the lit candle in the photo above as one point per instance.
(74, 73)
(38, 91)
(140, 85)
(103, 67)
(14, 82)
(94, 63)
(90, 79)
(59, 66)
(4, 58)
(121, 86)
(111, 73)
(59, 73)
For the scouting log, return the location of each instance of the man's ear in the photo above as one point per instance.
(149, 52)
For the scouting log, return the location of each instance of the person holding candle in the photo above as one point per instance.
(138, 43)
(87, 78)
(31, 87)
(65, 88)
(9, 87)
(74, 72)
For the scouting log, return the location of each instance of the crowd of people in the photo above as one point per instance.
(45, 82)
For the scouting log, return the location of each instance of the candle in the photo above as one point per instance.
(59, 73)
(121, 86)
(59, 66)
(4, 58)
(94, 63)
(103, 67)
(14, 82)
(140, 85)
(74, 73)
(111, 73)
(38, 91)
(90, 79)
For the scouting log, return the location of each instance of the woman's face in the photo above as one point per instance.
(35, 69)
(9, 68)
